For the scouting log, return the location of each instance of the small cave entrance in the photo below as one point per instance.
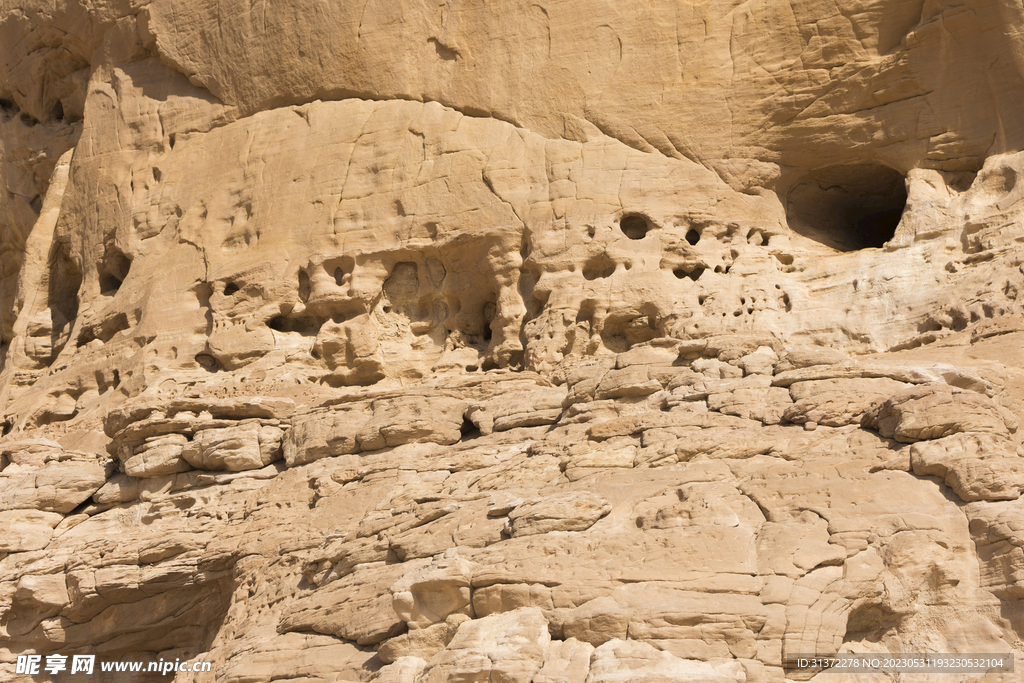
(848, 207)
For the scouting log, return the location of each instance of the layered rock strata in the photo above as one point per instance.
(479, 342)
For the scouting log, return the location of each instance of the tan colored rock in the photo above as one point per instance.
(797, 357)
(121, 488)
(30, 452)
(249, 446)
(686, 334)
(566, 661)
(422, 643)
(767, 405)
(357, 608)
(508, 647)
(935, 411)
(412, 420)
(528, 409)
(403, 669)
(682, 622)
(48, 592)
(27, 529)
(838, 402)
(323, 434)
(759, 362)
(55, 487)
(576, 511)
(157, 457)
(977, 466)
(429, 595)
(621, 660)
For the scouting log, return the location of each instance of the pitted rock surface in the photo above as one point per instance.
(546, 342)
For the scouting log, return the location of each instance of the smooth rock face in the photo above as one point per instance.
(558, 342)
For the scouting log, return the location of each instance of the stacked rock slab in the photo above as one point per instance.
(559, 342)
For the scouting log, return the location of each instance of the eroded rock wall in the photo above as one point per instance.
(494, 341)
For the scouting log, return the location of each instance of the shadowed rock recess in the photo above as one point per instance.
(523, 342)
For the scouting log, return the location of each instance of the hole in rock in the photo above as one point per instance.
(57, 114)
(64, 282)
(962, 181)
(171, 140)
(692, 236)
(230, 288)
(468, 429)
(870, 622)
(634, 226)
(756, 237)
(208, 362)
(8, 107)
(693, 272)
(598, 267)
(113, 269)
(402, 286)
(109, 283)
(489, 312)
(104, 330)
(848, 207)
(304, 326)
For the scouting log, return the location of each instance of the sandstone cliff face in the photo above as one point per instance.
(570, 341)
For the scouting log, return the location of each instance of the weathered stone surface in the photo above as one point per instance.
(157, 457)
(28, 452)
(429, 595)
(838, 402)
(412, 420)
(27, 529)
(510, 341)
(322, 434)
(249, 446)
(978, 466)
(627, 660)
(935, 411)
(55, 487)
(357, 608)
(506, 647)
(576, 511)
(422, 643)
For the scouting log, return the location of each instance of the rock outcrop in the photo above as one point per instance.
(546, 343)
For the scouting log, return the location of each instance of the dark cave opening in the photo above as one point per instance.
(848, 207)
(635, 226)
